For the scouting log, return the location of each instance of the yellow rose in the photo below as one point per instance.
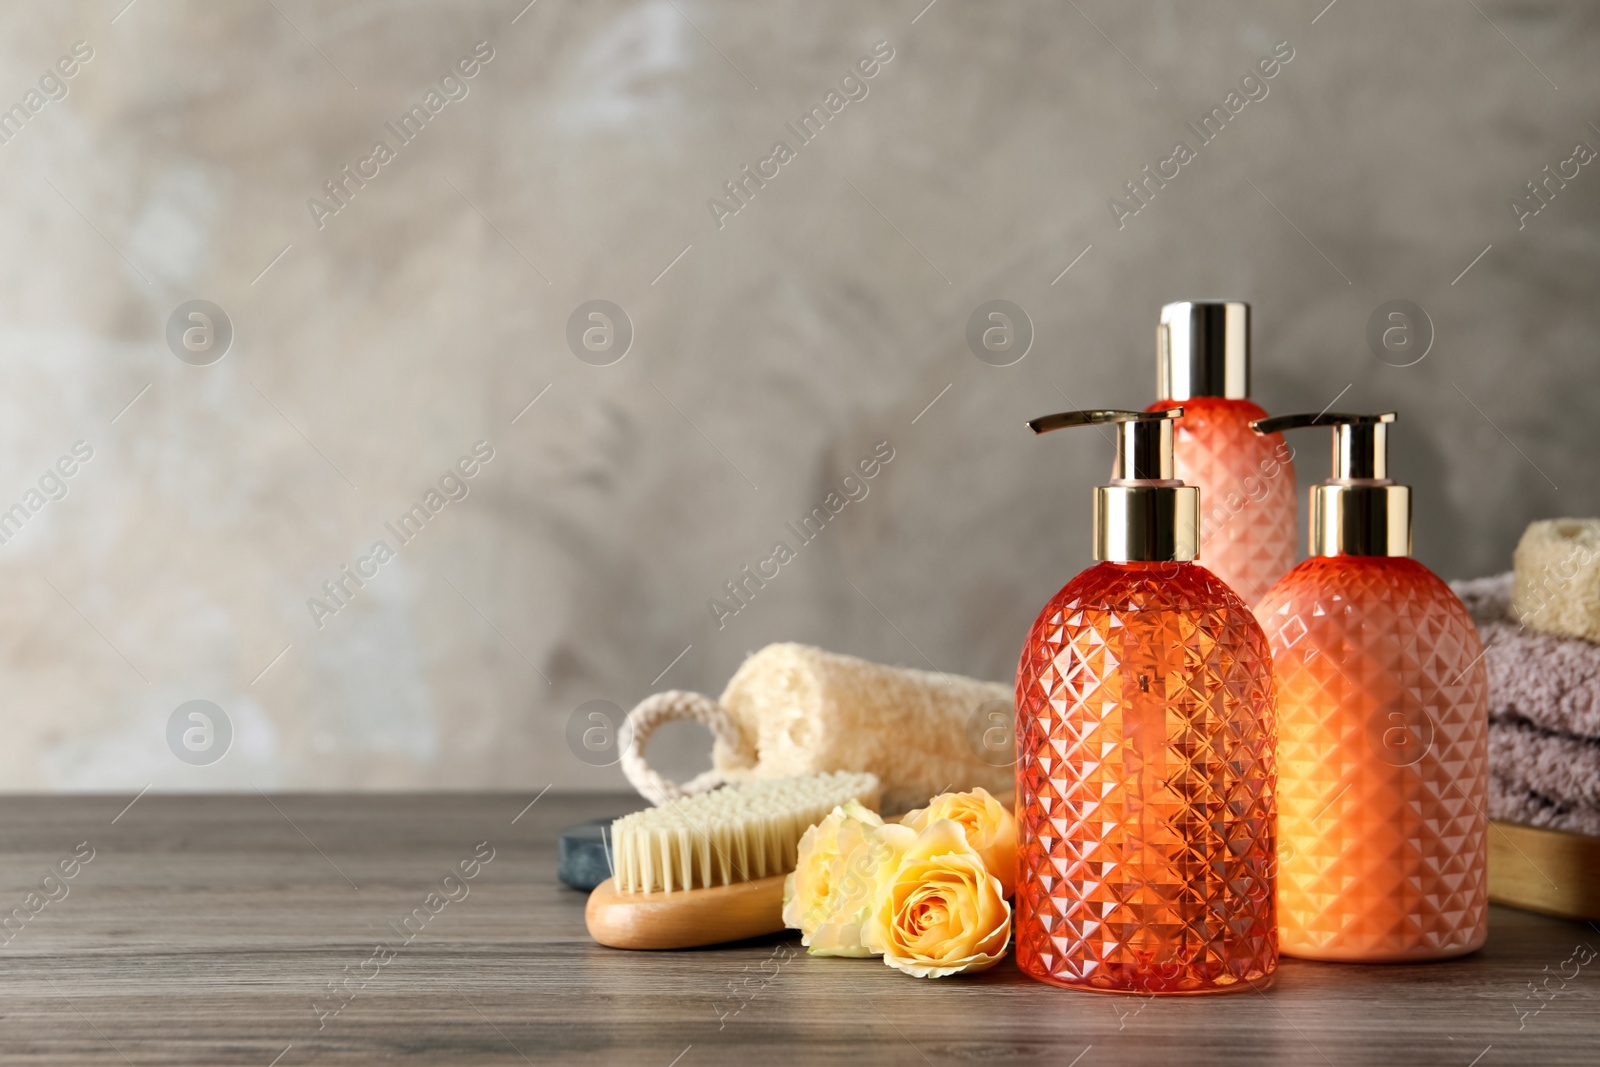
(840, 862)
(991, 830)
(941, 912)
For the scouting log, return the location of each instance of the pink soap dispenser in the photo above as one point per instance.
(1383, 727)
(1246, 481)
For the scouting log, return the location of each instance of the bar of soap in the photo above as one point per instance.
(1556, 588)
(584, 863)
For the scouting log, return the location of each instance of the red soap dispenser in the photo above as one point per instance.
(1145, 748)
(1247, 520)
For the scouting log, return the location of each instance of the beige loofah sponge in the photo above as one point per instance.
(1557, 584)
(795, 710)
(919, 732)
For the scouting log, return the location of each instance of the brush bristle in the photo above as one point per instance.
(738, 833)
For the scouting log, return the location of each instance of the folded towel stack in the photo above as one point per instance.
(1544, 713)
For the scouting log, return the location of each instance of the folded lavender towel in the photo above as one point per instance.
(1552, 682)
(1511, 803)
(1544, 716)
(1564, 770)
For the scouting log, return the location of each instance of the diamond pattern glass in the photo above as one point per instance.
(1247, 498)
(1145, 786)
(1383, 762)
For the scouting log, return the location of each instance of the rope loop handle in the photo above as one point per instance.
(676, 705)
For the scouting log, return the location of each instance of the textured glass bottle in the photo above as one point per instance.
(1246, 480)
(1145, 782)
(1383, 729)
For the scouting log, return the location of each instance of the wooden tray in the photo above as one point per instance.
(1548, 871)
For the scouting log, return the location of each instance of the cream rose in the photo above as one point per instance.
(990, 827)
(941, 912)
(841, 860)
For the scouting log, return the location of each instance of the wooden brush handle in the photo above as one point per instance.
(684, 918)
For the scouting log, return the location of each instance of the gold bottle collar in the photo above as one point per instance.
(1146, 522)
(1361, 520)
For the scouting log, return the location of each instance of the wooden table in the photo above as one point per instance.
(209, 929)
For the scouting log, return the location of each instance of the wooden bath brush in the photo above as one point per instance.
(710, 868)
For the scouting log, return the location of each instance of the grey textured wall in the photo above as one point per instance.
(772, 348)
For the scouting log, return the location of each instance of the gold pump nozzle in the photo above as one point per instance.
(1145, 514)
(1358, 511)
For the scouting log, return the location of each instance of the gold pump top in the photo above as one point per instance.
(1145, 514)
(1203, 349)
(1358, 511)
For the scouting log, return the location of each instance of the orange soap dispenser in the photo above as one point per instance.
(1145, 752)
(1246, 481)
(1383, 727)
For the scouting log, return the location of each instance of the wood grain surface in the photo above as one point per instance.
(207, 930)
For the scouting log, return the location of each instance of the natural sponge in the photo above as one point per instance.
(921, 732)
(794, 710)
(1557, 584)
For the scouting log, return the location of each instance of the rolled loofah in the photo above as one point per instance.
(810, 710)
(794, 710)
(1557, 584)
